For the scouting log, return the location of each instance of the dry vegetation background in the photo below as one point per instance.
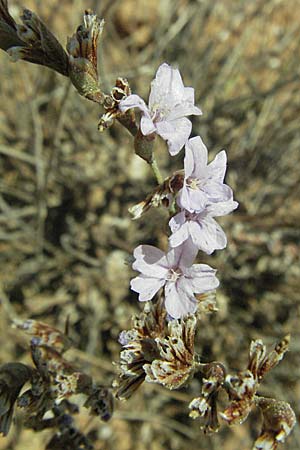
(66, 235)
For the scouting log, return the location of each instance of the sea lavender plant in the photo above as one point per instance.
(160, 347)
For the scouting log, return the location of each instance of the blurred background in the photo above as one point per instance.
(66, 236)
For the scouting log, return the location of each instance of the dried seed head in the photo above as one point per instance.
(278, 421)
(63, 377)
(82, 49)
(31, 41)
(139, 348)
(176, 361)
(12, 378)
(100, 402)
(44, 335)
(241, 388)
(205, 406)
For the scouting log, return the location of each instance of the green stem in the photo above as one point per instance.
(156, 171)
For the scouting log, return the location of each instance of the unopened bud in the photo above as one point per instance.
(82, 49)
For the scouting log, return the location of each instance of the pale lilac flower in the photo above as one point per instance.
(169, 104)
(201, 228)
(203, 183)
(176, 272)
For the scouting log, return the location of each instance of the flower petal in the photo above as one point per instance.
(217, 168)
(203, 278)
(217, 192)
(207, 235)
(134, 101)
(193, 200)
(147, 287)
(147, 126)
(180, 235)
(221, 208)
(150, 261)
(177, 302)
(196, 146)
(177, 221)
(167, 88)
(175, 132)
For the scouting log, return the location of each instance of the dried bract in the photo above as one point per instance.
(111, 106)
(278, 421)
(176, 361)
(82, 49)
(31, 41)
(162, 195)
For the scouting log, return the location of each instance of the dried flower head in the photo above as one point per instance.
(82, 49)
(44, 335)
(13, 376)
(278, 421)
(139, 348)
(176, 360)
(100, 402)
(112, 111)
(205, 406)
(31, 41)
(241, 388)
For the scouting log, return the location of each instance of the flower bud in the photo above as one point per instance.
(82, 49)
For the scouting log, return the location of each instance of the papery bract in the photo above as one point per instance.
(169, 104)
(175, 272)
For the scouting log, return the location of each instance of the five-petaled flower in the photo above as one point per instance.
(169, 104)
(203, 183)
(201, 228)
(176, 272)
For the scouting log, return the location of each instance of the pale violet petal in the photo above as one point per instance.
(221, 208)
(147, 126)
(183, 109)
(167, 88)
(199, 150)
(203, 278)
(207, 235)
(177, 302)
(177, 221)
(188, 254)
(217, 192)
(134, 101)
(189, 160)
(175, 132)
(150, 261)
(146, 287)
(194, 200)
(189, 95)
(179, 236)
(217, 168)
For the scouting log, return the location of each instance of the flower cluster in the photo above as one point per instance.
(199, 197)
